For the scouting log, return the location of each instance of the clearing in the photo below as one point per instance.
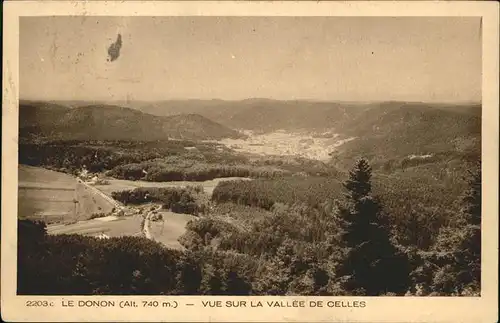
(168, 230)
(45, 195)
(108, 226)
(121, 184)
(57, 197)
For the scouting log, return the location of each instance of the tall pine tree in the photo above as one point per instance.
(371, 264)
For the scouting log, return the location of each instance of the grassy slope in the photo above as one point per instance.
(45, 191)
(170, 229)
(52, 193)
(126, 226)
(90, 202)
(393, 132)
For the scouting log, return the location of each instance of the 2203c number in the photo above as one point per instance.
(38, 304)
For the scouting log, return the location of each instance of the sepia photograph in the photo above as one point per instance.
(218, 155)
(250, 156)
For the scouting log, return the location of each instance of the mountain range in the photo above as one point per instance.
(112, 122)
(264, 115)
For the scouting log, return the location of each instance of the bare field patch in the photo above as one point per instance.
(90, 202)
(28, 175)
(56, 197)
(168, 230)
(123, 226)
(45, 195)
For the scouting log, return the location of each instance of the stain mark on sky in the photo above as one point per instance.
(114, 49)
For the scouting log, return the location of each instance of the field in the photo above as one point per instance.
(57, 197)
(46, 195)
(121, 185)
(91, 201)
(170, 229)
(109, 226)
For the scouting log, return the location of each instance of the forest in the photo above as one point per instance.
(169, 160)
(347, 245)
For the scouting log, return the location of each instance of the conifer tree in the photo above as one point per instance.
(371, 264)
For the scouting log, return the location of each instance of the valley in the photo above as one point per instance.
(240, 194)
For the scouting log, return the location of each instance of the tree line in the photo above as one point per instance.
(153, 161)
(179, 200)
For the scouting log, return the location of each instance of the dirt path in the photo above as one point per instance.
(146, 230)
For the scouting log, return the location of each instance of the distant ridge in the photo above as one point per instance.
(269, 115)
(113, 122)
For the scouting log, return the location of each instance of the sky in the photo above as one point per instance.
(431, 59)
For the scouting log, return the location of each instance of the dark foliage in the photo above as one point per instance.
(179, 200)
(417, 204)
(264, 193)
(73, 264)
(155, 161)
(79, 265)
(461, 241)
(160, 171)
(71, 158)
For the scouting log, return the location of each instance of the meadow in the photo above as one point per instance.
(116, 227)
(122, 184)
(56, 197)
(170, 228)
(45, 195)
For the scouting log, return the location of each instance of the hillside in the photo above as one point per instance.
(412, 133)
(36, 116)
(270, 115)
(109, 122)
(259, 115)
